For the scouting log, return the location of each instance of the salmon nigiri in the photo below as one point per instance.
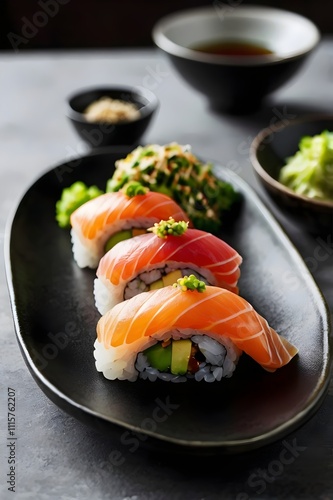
(99, 224)
(176, 333)
(159, 258)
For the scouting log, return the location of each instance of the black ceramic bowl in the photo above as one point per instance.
(236, 83)
(268, 153)
(99, 134)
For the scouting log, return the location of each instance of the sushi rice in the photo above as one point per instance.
(221, 357)
(88, 253)
(202, 328)
(107, 295)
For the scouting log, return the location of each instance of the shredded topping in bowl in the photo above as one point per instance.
(111, 110)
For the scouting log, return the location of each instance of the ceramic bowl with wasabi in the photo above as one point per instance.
(302, 192)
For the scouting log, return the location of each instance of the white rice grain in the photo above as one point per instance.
(88, 252)
(118, 363)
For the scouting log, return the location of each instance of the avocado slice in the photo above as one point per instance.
(181, 352)
(159, 357)
(171, 278)
(168, 279)
(156, 284)
(116, 238)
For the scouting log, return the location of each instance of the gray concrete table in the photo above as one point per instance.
(57, 456)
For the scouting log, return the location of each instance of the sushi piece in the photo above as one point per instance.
(176, 333)
(159, 258)
(101, 223)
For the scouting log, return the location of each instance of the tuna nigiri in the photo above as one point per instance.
(176, 333)
(159, 258)
(104, 221)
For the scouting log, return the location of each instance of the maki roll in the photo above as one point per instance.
(158, 258)
(101, 223)
(185, 331)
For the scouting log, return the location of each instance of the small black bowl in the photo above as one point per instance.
(100, 134)
(268, 154)
(236, 83)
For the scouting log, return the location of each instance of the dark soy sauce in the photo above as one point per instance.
(233, 48)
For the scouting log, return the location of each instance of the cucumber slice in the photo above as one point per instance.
(116, 238)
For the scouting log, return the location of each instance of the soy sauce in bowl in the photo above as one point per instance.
(236, 83)
(233, 48)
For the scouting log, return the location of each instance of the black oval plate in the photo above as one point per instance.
(55, 322)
